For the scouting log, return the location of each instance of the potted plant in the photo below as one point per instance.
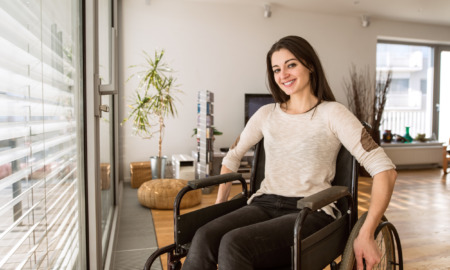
(367, 98)
(153, 101)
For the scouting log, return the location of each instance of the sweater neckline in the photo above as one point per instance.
(278, 106)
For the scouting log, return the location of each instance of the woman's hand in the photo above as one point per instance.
(366, 248)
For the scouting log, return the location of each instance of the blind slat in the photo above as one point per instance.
(18, 243)
(68, 252)
(19, 221)
(10, 204)
(7, 156)
(13, 178)
(13, 131)
(37, 185)
(71, 217)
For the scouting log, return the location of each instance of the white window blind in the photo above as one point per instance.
(40, 134)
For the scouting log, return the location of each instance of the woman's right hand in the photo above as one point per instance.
(224, 189)
(223, 193)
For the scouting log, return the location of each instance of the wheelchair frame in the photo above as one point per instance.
(185, 225)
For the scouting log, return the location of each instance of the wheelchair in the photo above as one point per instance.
(331, 246)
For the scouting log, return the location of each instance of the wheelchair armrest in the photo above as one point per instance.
(216, 180)
(206, 182)
(323, 198)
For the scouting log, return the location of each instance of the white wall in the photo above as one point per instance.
(222, 48)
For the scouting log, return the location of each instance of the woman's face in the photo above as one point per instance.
(290, 74)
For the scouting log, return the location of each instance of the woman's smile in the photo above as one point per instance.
(288, 83)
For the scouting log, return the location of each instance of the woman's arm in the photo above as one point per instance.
(224, 189)
(251, 135)
(364, 245)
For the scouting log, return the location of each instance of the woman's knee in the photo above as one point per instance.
(233, 252)
(232, 243)
(206, 236)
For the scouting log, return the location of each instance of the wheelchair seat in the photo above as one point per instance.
(315, 252)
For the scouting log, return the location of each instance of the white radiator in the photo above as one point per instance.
(416, 154)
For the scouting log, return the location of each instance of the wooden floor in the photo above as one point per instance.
(419, 209)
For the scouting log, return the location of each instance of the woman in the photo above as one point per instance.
(303, 132)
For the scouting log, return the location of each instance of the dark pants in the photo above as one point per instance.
(259, 235)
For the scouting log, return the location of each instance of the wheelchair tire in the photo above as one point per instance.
(391, 257)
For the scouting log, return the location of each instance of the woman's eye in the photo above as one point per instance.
(276, 71)
(292, 65)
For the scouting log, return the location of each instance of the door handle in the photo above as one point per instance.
(104, 108)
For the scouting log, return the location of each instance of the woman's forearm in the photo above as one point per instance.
(364, 245)
(224, 189)
(382, 188)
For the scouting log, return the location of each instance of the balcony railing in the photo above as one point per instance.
(396, 121)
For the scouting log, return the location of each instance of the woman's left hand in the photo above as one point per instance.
(366, 248)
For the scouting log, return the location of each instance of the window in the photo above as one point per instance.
(40, 135)
(410, 98)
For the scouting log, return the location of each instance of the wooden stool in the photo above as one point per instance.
(161, 193)
(105, 175)
(140, 173)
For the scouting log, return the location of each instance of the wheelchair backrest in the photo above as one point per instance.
(258, 165)
(346, 172)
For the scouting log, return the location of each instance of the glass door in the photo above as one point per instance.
(107, 183)
(444, 95)
(107, 75)
(101, 89)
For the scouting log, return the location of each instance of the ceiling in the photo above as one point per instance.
(421, 11)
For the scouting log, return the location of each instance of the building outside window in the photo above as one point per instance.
(410, 98)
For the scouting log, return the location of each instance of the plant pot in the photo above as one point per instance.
(158, 166)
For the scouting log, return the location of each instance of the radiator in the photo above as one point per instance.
(415, 154)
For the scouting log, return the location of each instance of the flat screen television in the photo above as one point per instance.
(254, 101)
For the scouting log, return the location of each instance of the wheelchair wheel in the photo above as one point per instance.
(388, 243)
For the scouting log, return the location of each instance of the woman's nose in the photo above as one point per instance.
(284, 73)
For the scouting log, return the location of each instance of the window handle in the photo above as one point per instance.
(104, 108)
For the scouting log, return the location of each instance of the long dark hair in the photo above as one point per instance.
(305, 53)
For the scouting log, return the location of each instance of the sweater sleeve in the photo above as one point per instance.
(250, 136)
(358, 141)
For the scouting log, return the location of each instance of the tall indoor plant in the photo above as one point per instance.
(367, 97)
(153, 101)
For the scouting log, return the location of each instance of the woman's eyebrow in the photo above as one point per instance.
(292, 59)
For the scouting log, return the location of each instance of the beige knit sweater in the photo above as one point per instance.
(301, 149)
